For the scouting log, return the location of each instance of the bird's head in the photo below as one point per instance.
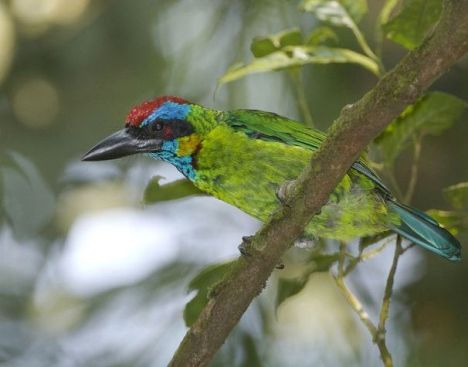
(165, 127)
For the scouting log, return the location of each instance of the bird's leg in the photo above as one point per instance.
(280, 266)
(246, 241)
(283, 192)
(305, 242)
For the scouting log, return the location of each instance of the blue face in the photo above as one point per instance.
(167, 111)
(170, 113)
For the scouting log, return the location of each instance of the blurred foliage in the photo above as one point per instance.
(263, 46)
(28, 202)
(154, 192)
(288, 287)
(409, 27)
(455, 220)
(289, 49)
(432, 114)
(457, 195)
(338, 12)
(204, 283)
(294, 56)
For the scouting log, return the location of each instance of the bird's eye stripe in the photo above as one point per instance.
(158, 126)
(162, 129)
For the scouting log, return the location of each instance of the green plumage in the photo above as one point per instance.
(245, 156)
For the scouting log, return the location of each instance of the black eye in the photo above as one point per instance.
(157, 126)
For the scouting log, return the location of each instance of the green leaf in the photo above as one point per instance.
(251, 356)
(343, 13)
(453, 221)
(431, 114)
(457, 195)
(262, 46)
(409, 27)
(323, 262)
(154, 192)
(321, 35)
(28, 201)
(204, 283)
(387, 10)
(356, 8)
(288, 287)
(367, 241)
(337, 12)
(293, 56)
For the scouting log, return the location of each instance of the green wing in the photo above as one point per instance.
(272, 127)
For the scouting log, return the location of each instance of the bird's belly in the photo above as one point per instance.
(250, 179)
(352, 210)
(251, 189)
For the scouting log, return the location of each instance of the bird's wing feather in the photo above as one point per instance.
(272, 127)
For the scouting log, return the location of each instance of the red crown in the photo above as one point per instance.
(138, 113)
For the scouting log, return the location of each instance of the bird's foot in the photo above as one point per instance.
(305, 242)
(246, 240)
(280, 266)
(284, 191)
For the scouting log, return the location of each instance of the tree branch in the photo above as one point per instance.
(355, 128)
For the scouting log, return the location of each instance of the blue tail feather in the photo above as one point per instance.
(423, 230)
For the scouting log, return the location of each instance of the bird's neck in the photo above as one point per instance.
(182, 152)
(203, 119)
(184, 164)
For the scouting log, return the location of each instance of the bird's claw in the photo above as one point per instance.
(283, 192)
(280, 266)
(246, 240)
(305, 242)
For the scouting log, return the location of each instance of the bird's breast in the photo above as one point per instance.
(246, 172)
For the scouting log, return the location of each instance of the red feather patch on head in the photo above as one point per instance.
(138, 113)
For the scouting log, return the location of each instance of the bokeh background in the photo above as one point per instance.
(89, 276)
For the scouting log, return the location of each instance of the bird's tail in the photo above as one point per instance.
(423, 230)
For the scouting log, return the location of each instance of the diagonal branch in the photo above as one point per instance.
(354, 129)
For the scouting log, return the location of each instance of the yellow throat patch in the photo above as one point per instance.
(188, 145)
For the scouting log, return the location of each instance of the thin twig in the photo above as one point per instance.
(341, 259)
(363, 256)
(350, 297)
(414, 169)
(384, 310)
(360, 311)
(407, 248)
(357, 306)
(366, 48)
(383, 17)
(395, 186)
(375, 251)
(296, 78)
(378, 333)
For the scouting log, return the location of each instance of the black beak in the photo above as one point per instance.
(120, 144)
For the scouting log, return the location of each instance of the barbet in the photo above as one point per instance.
(244, 156)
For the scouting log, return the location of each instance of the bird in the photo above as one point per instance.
(243, 157)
